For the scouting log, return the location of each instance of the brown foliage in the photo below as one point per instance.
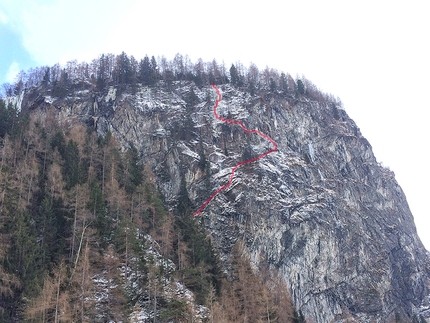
(251, 297)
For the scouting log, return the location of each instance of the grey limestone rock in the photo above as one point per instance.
(322, 211)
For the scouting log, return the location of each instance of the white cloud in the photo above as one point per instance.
(60, 30)
(3, 18)
(12, 72)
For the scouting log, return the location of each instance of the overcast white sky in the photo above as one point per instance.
(374, 55)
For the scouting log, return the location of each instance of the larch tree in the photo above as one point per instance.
(48, 306)
(82, 291)
(178, 66)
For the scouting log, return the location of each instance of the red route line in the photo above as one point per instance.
(275, 148)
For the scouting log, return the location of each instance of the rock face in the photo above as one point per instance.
(321, 210)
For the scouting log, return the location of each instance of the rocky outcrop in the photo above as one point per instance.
(321, 210)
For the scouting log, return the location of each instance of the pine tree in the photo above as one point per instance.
(46, 78)
(234, 75)
(102, 72)
(123, 71)
(154, 71)
(133, 170)
(97, 207)
(145, 72)
(133, 74)
(48, 232)
(300, 87)
(176, 311)
(25, 254)
(251, 88)
(8, 115)
(272, 84)
(9, 282)
(71, 168)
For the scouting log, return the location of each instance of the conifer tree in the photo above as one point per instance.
(145, 71)
(102, 72)
(25, 254)
(71, 169)
(154, 71)
(133, 170)
(283, 83)
(133, 74)
(300, 87)
(98, 209)
(8, 116)
(272, 84)
(46, 78)
(122, 72)
(10, 283)
(234, 75)
(81, 292)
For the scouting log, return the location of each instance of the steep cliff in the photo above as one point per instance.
(322, 211)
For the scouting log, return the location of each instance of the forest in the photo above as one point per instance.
(84, 233)
(124, 71)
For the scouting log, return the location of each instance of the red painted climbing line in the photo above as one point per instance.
(275, 148)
